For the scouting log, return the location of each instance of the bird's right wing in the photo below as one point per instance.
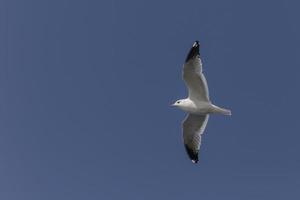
(193, 126)
(193, 76)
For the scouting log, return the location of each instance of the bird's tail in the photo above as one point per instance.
(222, 111)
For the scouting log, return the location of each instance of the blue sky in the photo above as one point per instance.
(85, 89)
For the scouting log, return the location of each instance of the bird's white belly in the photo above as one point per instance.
(199, 108)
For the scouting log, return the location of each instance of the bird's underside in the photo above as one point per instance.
(197, 105)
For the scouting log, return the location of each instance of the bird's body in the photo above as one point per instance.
(201, 107)
(197, 104)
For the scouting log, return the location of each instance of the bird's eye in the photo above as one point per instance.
(178, 102)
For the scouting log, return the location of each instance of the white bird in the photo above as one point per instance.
(197, 104)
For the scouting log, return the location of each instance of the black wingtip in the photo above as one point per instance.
(193, 155)
(193, 51)
(196, 43)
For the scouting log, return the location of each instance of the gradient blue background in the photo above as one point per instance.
(85, 89)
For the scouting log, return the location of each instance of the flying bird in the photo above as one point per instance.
(197, 105)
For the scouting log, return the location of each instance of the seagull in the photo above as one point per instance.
(197, 104)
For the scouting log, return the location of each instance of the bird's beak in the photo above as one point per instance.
(172, 104)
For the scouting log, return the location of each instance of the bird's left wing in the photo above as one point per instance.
(193, 76)
(193, 127)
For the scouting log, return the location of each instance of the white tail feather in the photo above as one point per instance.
(222, 111)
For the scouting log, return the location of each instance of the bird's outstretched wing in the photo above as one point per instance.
(193, 76)
(193, 126)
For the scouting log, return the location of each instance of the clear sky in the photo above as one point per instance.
(85, 89)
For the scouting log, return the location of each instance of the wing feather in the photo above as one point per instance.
(193, 127)
(193, 76)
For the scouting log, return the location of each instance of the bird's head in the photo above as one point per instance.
(179, 103)
(176, 103)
